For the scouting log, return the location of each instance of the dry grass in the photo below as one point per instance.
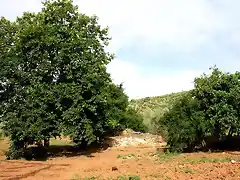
(3, 147)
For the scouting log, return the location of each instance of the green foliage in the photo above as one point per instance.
(189, 171)
(151, 108)
(16, 149)
(210, 110)
(218, 96)
(77, 177)
(208, 160)
(184, 124)
(155, 102)
(53, 78)
(131, 177)
(164, 157)
(133, 120)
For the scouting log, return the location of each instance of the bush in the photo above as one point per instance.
(16, 150)
(134, 121)
(183, 125)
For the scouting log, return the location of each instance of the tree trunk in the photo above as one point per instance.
(46, 142)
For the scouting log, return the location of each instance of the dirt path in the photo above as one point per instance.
(139, 161)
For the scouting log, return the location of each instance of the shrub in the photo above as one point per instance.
(184, 124)
(134, 121)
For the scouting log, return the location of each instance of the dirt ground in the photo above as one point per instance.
(114, 163)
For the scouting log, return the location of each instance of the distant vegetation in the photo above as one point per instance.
(151, 108)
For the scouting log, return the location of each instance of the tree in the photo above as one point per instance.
(203, 117)
(53, 78)
(184, 124)
(218, 96)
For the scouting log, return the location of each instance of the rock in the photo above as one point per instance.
(134, 139)
(126, 132)
(114, 168)
(135, 132)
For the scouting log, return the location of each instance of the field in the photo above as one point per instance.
(123, 163)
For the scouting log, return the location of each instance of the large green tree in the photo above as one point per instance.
(53, 77)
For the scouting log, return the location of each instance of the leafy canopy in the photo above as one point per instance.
(53, 77)
(211, 109)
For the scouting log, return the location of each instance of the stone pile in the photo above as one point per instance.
(135, 139)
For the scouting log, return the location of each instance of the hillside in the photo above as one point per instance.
(151, 107)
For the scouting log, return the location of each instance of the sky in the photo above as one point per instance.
(160, 45)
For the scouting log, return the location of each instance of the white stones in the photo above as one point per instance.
(135, 139)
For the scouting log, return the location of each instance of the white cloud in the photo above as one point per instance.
(183, 24)
(139, 84)
(13, 8)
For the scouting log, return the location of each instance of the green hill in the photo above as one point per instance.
(151, 107)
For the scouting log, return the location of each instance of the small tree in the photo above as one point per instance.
(184, 123)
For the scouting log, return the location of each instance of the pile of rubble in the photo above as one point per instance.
(132, 138)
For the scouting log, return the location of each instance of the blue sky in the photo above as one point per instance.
(160, 45)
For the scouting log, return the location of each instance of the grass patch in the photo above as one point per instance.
(207, 160)
(89, 178)
(4, 143)
(59, 142)
(131, 177)
(189, 171)
(166, 156)
(126, 156)
(167, 178)
(77, 177)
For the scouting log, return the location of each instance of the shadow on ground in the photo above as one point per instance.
(225, 144)
(213, 144)
(53, 151)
